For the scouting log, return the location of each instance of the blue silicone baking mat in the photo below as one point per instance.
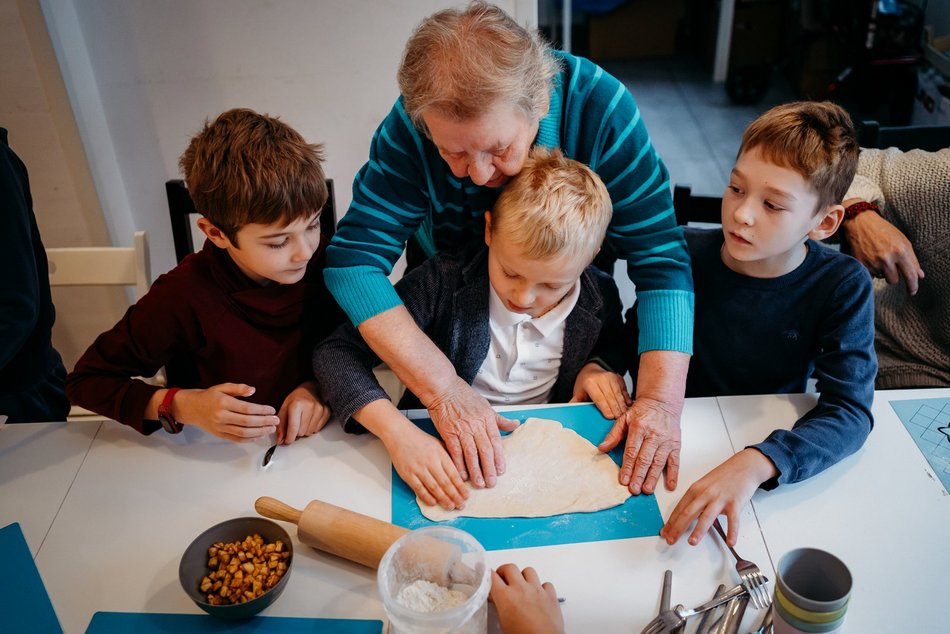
(639, 516)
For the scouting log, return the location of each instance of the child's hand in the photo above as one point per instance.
(422, 461)
(218, 411)
(726, 489)
(302, 414)
(605, 388)
(524, 604)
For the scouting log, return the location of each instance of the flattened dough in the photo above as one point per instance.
(550, 470)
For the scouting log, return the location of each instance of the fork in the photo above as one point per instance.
(668, 620)
(752, 578)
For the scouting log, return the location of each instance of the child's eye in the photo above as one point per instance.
(772, 206)
(508, 275)
(314, 227)
(554, 287)
(280, 245)
(734, 189)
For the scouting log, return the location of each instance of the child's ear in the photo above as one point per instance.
(214, 234)
(488, 228)
(830, 221)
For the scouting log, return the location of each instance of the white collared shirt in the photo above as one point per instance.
(524, 357)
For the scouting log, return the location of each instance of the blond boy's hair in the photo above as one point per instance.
(816, 139)
(461, 62)
(246, 167)
(555, 206)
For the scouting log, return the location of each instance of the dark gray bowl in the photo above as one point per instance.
(194, 564)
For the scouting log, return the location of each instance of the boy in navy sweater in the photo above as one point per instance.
(774, 308)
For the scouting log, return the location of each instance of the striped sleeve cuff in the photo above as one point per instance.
(361, 291)
(666, 320)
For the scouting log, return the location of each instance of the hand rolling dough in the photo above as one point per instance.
(550, 470)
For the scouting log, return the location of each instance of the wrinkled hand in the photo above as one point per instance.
(884, 250)
(724, 490)
(219, 411)
(469, 427)
(524, 604)
(606, 389)
(652, 429)
(301, 414)
(422, 462)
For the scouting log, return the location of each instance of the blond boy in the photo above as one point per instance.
(775, 308)
(524, 319)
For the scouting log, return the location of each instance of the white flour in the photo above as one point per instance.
(424, 597)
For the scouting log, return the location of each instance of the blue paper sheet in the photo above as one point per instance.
(24, 603)
(134, 623)
(928, 423)
(639, 516)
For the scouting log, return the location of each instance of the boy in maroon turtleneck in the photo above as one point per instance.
(234, 324)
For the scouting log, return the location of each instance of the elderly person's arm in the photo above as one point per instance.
(608, 134)
(390, 201)
(875, 242)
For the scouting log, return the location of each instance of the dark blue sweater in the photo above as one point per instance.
(769, 336)
(31, 371)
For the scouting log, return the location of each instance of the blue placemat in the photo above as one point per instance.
(639, 516)
(130, 622)
(24, 604)
(928, 423)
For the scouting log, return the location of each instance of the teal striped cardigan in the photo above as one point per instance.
(406, 188)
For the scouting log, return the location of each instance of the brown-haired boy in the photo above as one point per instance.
(234, 323)
(775, 308)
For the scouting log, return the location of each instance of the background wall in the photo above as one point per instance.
(142, 75)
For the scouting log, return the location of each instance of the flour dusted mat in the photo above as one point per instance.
(638, 516)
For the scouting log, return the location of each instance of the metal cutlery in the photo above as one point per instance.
(752, 578)
(268, 456)
(668, 620)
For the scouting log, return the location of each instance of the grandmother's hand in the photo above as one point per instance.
(469, 426)
(652, 429)
(883, 249)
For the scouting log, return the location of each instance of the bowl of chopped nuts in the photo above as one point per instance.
(237, 568)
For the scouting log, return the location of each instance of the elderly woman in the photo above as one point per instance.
(478, 91)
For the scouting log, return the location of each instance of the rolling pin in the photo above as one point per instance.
(364, 540)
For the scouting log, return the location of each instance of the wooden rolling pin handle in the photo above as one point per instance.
(277, 510)
(347, 534)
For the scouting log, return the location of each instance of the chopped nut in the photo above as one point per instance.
(244, 570)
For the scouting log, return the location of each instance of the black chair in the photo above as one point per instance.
(181, 209)
(689, 208)
(912, 137)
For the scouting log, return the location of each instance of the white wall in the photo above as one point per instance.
(142, 75)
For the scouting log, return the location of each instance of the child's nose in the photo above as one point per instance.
(303, 250)
(743, 213)
(524, 296)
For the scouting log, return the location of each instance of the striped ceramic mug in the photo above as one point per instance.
(812, 593)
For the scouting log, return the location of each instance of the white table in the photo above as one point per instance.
(38, 462)
(122, 508)
(881, 510)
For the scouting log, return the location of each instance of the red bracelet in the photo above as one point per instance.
(853, 210)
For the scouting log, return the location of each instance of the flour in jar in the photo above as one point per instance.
(425, 597)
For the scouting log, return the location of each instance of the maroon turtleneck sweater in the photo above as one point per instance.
(207, 323)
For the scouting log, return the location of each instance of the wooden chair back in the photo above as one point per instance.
(102, 266)
(911, 137)
(689, 208)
